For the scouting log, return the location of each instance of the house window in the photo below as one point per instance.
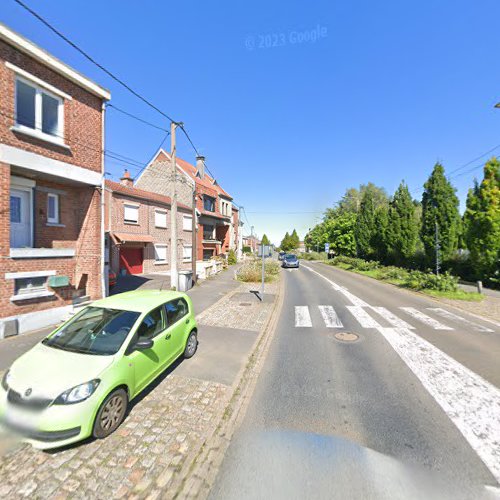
(15, 209)
(208, 232)
(208, 203)
(53, 208)
(160, 218)
(38, 110)
(26, 286)
(208, 254)
(187, 253)
(131, 214)
(161, 254)
(187, 223)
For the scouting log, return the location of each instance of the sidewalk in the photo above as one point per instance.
(151, 455)
(205, 294)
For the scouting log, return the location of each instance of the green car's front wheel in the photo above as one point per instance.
(191, 345)
(110, 414)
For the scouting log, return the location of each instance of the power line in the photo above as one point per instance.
(475, 159)
(136, 117)
(92, 60)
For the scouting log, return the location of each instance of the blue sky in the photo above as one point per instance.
(386, 90)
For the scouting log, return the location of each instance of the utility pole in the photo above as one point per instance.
(436, 246)
(174, 276)
(194, 249)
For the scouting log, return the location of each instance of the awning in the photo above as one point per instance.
(132, 238)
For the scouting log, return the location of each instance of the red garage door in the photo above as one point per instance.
(131, 260)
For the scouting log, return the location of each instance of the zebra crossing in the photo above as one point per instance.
(367, 316)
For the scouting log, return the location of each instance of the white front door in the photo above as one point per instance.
(20, 218)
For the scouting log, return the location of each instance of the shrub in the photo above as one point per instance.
(393, 273)
(247, 249)
(251, 271)
(313, 256)
(418, 280)
(356, 264)
(231, 257)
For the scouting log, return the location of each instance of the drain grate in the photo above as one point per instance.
(347, 336)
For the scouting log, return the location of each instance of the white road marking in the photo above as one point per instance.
(354, 300)
(330, 317)
(364, 319)
(302, 317)
(433, 323)
(455, 317)
(392, 318)
(472, 403)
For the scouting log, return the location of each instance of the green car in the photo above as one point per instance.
(79, 380)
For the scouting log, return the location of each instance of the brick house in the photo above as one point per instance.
(51, 166)
(138, 233)
(217, 216)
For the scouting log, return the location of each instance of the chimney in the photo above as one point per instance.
(200, 166)
(126, 180)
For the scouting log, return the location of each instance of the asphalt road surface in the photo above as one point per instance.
(411, 409)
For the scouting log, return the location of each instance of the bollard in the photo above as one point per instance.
(480, 287)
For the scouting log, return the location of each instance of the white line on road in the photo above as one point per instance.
(392, 318)
(302, 317)
(354, 300)
(433, 323)
(471, 403)
(330, 317)
(455, 317)
(364, 319)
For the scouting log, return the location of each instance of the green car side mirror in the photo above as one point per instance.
(143, 344)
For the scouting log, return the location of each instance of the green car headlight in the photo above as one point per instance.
(5, 380)
(77, 394)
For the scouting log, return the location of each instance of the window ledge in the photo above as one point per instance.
(41, 253)
(131, 223)
(160, 262)
(33, 295)
(39, 135)
(161, 227)
(55, 224)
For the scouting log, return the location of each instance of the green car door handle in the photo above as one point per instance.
(187, 321)
(167, 337)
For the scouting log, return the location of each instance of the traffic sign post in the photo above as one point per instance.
(327, 247)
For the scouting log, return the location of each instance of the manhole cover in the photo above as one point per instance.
(346, 337)
(245, 303)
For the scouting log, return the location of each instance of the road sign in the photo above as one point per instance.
(327, 247)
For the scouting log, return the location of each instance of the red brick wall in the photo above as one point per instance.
(80, 212)
(114, 216)
(82, 114)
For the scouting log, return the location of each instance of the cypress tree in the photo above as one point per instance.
(403, 229)
(440, 204)
(482, 222)
(380, 237)
(365, 226)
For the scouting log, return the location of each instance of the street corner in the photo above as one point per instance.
(147, 453)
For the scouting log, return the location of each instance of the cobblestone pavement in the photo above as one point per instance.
(241, 309)
(163, 430)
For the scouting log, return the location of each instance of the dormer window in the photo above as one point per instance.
(39, 111)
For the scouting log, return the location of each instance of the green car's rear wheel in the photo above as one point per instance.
(191, 345)
(110, 414)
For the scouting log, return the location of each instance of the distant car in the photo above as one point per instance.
(111, 278)
(290, 260)
(79, 380)
(281, 255)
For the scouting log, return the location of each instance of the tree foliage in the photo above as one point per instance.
(364, 230)
(440, 205)
(402, 227)
(265, 240)
(482, 223)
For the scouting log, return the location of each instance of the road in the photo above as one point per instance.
(409, 410)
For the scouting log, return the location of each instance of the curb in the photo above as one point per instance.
(205, 466)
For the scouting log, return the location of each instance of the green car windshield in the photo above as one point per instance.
(95, 330)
